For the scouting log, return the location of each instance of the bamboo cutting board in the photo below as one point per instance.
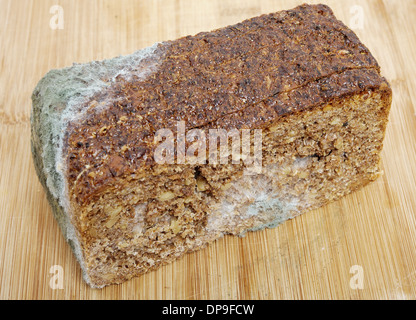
(361, 247)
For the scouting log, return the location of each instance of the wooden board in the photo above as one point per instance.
(361, 247)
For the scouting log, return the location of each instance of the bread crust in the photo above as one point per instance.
(241, 76)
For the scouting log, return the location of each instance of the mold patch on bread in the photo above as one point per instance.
(58, 99)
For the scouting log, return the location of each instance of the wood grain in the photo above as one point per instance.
(309, 257)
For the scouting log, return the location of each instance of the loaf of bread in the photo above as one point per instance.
(152, 155)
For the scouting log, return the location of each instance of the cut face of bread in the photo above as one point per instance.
(301, 93)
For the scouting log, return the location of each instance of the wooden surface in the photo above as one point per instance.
(314, 256)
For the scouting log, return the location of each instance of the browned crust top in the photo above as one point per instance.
(241, 76)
